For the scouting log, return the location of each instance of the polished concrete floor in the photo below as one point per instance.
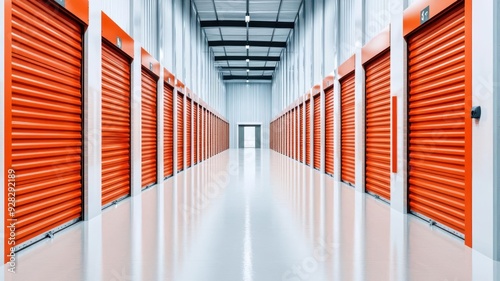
(252, 215)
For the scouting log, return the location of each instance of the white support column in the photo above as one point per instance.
(359, 100)
(485, 131)
(159, 128)
(135, 118)
(359, 123)
(92, 112)
(399, 187)
(337, 131)
(322, 135)
(174, 135)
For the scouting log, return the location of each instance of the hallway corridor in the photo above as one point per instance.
(251, 215)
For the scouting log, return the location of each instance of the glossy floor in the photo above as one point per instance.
(252, 215)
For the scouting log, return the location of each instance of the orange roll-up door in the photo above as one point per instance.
(285, 137)
(329, 131)
(180, 131)
(301, 133)
(148, 136)
(378, 126)
(195, 134)
(437, 121)
(308, 132)
(46, 120)
(317, 132)
(168, 130)
(347, 120)
(293, 131)
(188, 132)
(115, 124)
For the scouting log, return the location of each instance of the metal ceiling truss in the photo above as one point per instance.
(251, 24)
(242, 77)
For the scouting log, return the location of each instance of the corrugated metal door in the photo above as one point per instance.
(115, 124)
(317, 132)
(301, 133)
(195, 134)
(308, 132)
(180, 132)
(297, 133)
(378, 126)
(437, 148)
(205, 133)
(329, 131)
(148, 136)
(188, 132)
(168, 131)
(347, 120)
(46, 118)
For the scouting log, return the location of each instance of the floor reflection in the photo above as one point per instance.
(252, 214)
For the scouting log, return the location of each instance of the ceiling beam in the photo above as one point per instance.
(254, 68)
(242, 23)
(251, 58)
(237, 77)
(244, 43)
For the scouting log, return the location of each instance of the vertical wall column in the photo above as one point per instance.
(485, 131)
(92, 96)
(174, 135)
(399, 186)
(135, 107)
(337, 130)
(159, 128)
(359, 98)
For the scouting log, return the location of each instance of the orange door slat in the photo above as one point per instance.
(115, 124)
(378, 126)
(301, 133)
(168, 130)
(148, 136)
(46, 119)
(205, 133)
(308, 132)
(195, 134)
(188, 132)
(347, 120)
(329, 131)
(437, 120)
(180, 132)
(317, 132)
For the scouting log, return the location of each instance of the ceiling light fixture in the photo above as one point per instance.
(247, 46)
(247, 18)
(248, 60)
(248, 70)
(248, 81)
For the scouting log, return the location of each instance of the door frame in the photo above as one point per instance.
(247, 124)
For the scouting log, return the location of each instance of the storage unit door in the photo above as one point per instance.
(46, 119)
(378, 126)
(189, 126)
(180, 132)
(115, 124)
(329, 131)
(168, 131)
(195, 134)
(301, 133)
(308, 132)
(437, 136)
(293, 131)
(148, 136)
(347, 103)
(317, 132)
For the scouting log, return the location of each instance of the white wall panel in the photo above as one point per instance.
(249, 103)
(150, 27)
(347, 30)
(119, 12)
(377, 17)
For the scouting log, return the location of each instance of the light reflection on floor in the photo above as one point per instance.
(252, 215)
